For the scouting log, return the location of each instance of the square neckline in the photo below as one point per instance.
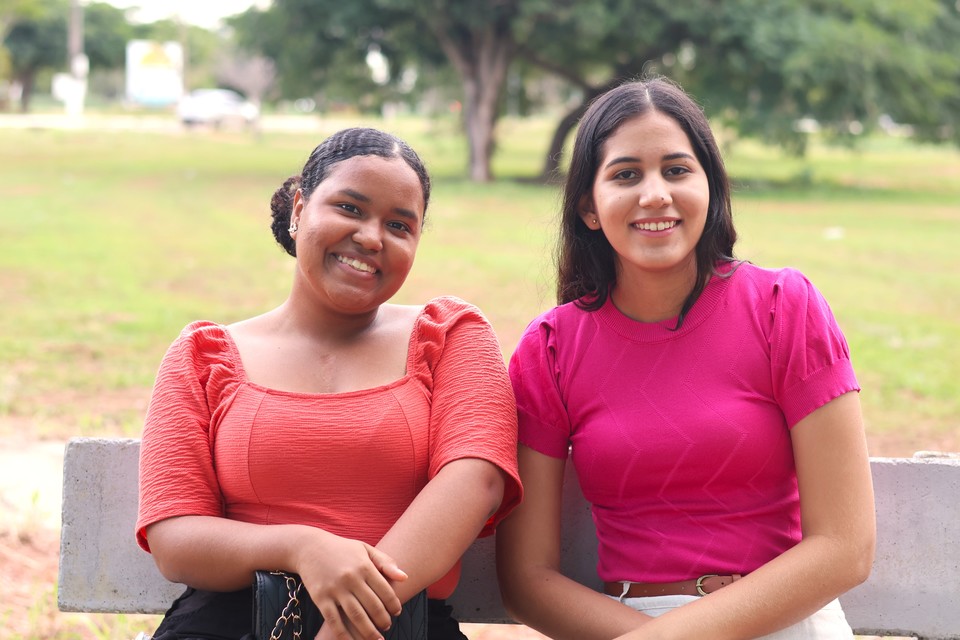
(411, 359)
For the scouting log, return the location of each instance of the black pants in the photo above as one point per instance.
(208, 615)
(441, 625)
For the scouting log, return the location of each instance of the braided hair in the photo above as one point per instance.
(343, 145)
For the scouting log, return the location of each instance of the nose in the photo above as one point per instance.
(654, 194)
(369, 235)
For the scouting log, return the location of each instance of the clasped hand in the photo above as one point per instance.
(350, 582)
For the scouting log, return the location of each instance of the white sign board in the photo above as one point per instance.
(154, 72)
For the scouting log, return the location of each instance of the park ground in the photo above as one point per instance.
(904, 330)
(30, 492)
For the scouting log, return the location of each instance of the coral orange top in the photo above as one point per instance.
(217, 444)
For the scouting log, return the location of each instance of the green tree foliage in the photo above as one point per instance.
(12, 11)
(843, 63)
(33, 45)
(105, 35)
(319, 46)
(759, 67)
(325, 43)
(479, 40)
(39, 42)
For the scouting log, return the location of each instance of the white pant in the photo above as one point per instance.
(827, 624)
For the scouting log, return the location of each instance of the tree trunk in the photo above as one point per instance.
(479, 132)
(27, 81)
(481, 56)
(551, 162)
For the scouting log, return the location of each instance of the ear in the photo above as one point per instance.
(297, 208)
(587, 214)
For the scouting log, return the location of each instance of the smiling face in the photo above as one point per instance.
(650, 198)
(357, 235)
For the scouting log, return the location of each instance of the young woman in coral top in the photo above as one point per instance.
(709, 406)
(360, 444)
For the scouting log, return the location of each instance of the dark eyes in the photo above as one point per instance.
(354, 210)
(399, 226)
(671, 172)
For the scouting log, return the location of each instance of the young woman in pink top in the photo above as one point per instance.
(709, 407)
(360, 444)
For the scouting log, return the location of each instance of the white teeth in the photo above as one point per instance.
(356, 264)
(655, 226)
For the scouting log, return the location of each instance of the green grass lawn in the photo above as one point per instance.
(111, 242)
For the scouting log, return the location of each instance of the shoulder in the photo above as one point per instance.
(448, 318)
(200, 336)
(444, 312)
(770, 278)
(452, 338)
(564, 314)
(444, 306)
(771, 285)
(200, 346)
(562, 318)
(793, 308)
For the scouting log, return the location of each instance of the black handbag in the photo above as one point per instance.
(282, 610)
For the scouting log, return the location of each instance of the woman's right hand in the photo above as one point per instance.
(350, 583)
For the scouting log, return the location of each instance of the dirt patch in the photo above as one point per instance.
(28, 575)
(904, 445)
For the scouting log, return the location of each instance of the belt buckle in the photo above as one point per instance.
(700, 580)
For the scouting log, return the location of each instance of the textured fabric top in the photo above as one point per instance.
(216, 444)
(681, 439)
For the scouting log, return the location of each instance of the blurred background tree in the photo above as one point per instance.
(36, 43)
(12, 11)
(769, 70)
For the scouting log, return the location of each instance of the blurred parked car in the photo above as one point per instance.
(216, 107)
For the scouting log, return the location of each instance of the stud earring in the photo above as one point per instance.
(594, 221)
(293, 228)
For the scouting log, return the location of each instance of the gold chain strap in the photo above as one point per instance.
(291, 613)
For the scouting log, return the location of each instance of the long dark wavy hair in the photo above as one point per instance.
(586, 262)
(343, 145)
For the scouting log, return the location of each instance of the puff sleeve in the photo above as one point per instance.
(544, 424)
(810, 359)
(177, 473)
(473, 412)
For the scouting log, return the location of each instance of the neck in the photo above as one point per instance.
(653, 297)
(328, 325)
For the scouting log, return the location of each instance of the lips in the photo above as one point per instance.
(359, 265)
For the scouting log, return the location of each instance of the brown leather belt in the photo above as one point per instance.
(698, 587)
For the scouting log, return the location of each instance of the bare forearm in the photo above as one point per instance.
(347, 580)
(442, 522)
(528, 560)
(561, 608)
(836, 553)
(218, 554)
(779, 594)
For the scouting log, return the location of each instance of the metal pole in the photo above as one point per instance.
(77, 61)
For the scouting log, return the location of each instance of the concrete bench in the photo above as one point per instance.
(914, 589)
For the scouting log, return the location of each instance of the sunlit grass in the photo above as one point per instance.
(112, 242)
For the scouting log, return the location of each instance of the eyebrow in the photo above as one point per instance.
(670, 156)
(356, 195)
